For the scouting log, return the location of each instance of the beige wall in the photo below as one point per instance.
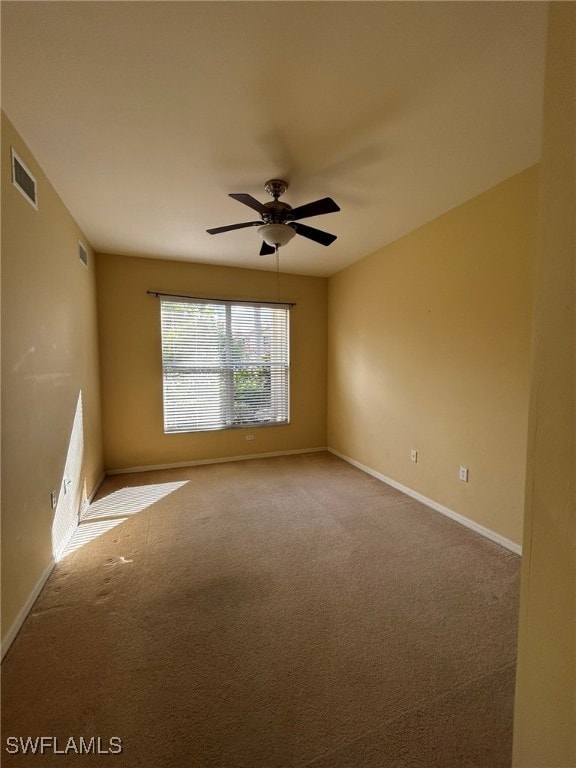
(545, 717)
(131, 365)
(429, 349)
(49, 366)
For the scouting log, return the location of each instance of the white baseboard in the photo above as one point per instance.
(95, 490)
(25, 610)
(486, 532)
(199, 462)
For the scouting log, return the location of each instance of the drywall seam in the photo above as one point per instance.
(199, 462)
(476, 527)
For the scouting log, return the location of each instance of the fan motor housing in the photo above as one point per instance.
(278, 212)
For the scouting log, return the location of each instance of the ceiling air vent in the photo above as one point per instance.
(82, 254)
(23, 180)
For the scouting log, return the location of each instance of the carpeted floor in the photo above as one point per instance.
(275, 613)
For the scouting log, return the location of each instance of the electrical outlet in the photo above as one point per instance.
(413, 455)
(463, 474)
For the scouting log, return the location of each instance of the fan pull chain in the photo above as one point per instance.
(278, 272)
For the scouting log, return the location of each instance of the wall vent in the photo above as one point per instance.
(23, 180)
(82, 253)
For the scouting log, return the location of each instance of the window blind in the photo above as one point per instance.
(225, 364)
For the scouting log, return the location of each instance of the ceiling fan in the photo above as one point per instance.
(279, 222)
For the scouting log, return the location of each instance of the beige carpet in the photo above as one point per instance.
(274, 613)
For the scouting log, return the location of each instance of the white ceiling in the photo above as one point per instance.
(144, 115)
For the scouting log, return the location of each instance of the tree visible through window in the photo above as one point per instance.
(225, 364)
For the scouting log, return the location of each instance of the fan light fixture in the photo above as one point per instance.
(276, 234)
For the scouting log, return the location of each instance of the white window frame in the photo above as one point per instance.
(200, 374)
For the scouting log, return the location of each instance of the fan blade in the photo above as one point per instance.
(324, 238)
(250, 201)
(266, 249)
(318, 207)
(217, 230)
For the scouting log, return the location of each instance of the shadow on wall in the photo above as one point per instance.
(115, 509)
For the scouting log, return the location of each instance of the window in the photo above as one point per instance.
(225, 364)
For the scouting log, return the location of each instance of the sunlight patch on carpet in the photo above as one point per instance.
(87, 532)
(113, 510)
